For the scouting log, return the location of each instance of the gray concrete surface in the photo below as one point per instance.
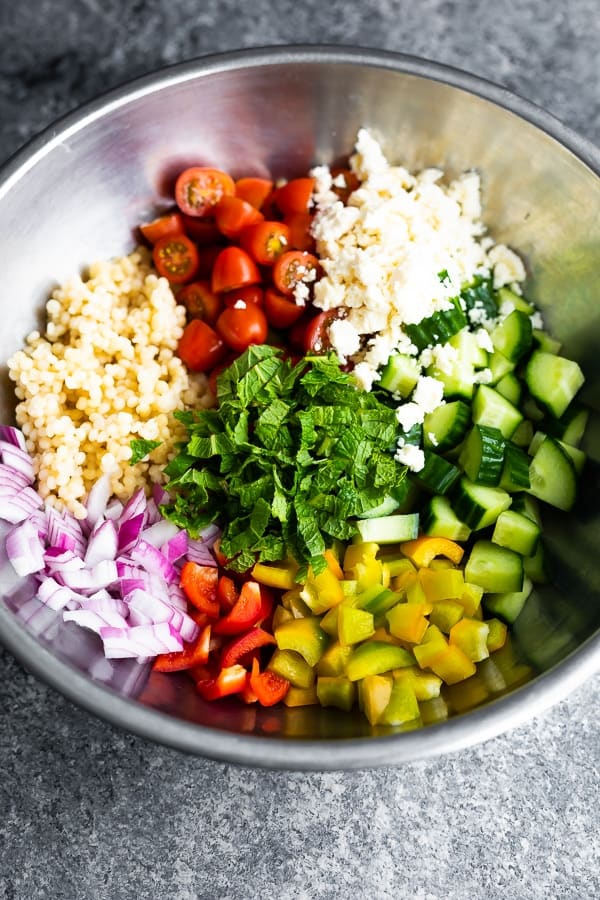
(89, 812)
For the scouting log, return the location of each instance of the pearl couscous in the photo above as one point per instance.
(104, 373)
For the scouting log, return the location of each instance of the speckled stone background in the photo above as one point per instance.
(89, 812)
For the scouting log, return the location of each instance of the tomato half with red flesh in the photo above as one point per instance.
(242, 325)
(293, 268)
(295, 196)
(316, 333)
(199, 188)
(252, 294)
(200, 301)
(176, 258)
(253, 190)
(233, 214)
(266, 241)
(281, 312)
(233, 268)
(165, 226)
(299, 228)
(200, 347)
(208, 256)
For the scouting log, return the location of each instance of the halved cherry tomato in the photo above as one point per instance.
(200, 188)
(246, 613)
(266, 241)
(293, 268)
(316, 334)
(176, 258)
(252, 294)
(218, 555)
(233, 214)
(229, 681)
(164, 226)
(203, 231)
(208, 256)
(233, 268)
(299, 227)
(227, 593)
(240, 647)
(199, 585)
(200, 347)
(200, 301)
(280, 310)
(268, 686)
(295, 196)
(193, 654)
(240, 327)
(253, 190)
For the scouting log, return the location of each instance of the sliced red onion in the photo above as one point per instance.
(62, 562)
(64, 532)
(129, 531)
(11, 481)
(24, 549)
(134, 506)
(102, 542)
(160, 533)
(159, 495)
(200, 553)
(140, 641)
(209, 535)
(114, 509)
(95, 621)
(102, 602)
(176, 547)
(17, 459)
(146, 608)
(97, 500)
(103, 574)
(55, 595)
(152, 513)
(13, 436)
(153, 561)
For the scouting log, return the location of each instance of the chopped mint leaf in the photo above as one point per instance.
(140, 448)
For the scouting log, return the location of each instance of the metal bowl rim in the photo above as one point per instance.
(288, 753)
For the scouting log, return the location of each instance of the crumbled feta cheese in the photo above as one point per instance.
(507, 266)
(444, 357)
(409, 415)
(537, 321)
(365, 375)
(411, 456)
(432, 439)
(428, 394)
(301, 293)
(344, 338)
(239, 304)
(484, 340)
(484, 376)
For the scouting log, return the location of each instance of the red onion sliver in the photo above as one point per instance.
(153, 561)
(95, 621)
(160, 533)
(17, 459)
(129, 531)
(102, 543)
(25, 549)
(176, 547)
(13, 436)
(141, 640)
(97, 500)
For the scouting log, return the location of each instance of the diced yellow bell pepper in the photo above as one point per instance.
(407, 621)
(359, 553)
(471, 598)
(289, 664)
(329, 622)
(496, 635)
(281, 615)
(298, 608)
(513, 670)
(375, 658)
(426, 685)
(349, 587)
(423, 549)
(334, 660)
(402, 706)
(416, 594)
(471, 636)
(491, 676)
(368, 573)
(466, 694)
(433, 644)
(380, 634)
(398, 565)
(374, 693)
(404, 580)
(434, 710)
(336, 691)
(385, 574)
(305, 636)
(453, 665)
(322, 591)
(443, 584)
(445, 614)
(301, 696)
(354, 625)
(333, 564)
(440, 563)
(282, 577)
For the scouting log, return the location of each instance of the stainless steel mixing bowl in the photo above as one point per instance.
(76, 193)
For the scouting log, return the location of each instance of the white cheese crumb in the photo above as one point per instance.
(365, 375)
(432, 439)
(537, 321)
(484, 340)
(344, 338)
(411, 456)
(301, 293)
(507, 266)
(484, 376)
(428, 394)
(239, 304)
(409, 415)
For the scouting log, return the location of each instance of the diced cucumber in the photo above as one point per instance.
(553, 380)
(437, 328)
(389, 529)
(570, 428)
(576, 456)
(400, 374)
(517, 532)
(482, 455)
(532, 411)
(507, 606)
(506, 296)
(468, 348)
(446, 426)
(536, 441)
(512, 336)
(437, 475)
(535, 567)
(496, 569)
(458, 378)
(479, 505)
(552, 475)
(510, 388)
(522, 434)
(528, 506)
(387, 506)
(515, 474)
(499, 366)
(546, 343)
(491, 408)
(440, 520)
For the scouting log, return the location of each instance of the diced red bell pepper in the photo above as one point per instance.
(193, 654)
(229, 681)
(269, 687)
(227, 593)
(247, 695)
(240, 647)
(199, 584)
(248, 611)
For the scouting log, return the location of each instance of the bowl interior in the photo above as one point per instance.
(79, 193)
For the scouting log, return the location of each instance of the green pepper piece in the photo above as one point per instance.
(334, 660)
(289, 664)
(402, 706)
(376, 657)
(336, 691)
(354, 625)
(305, 636)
